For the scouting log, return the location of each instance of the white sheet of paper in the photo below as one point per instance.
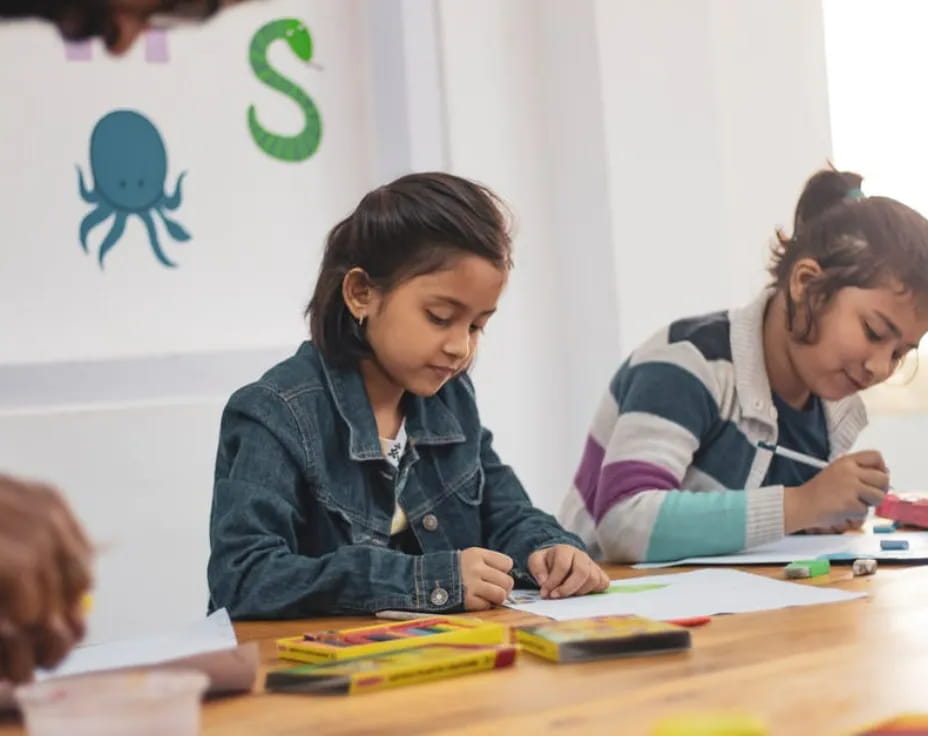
(214, 633)
(687, 594)
(209, 646)
(810, 546)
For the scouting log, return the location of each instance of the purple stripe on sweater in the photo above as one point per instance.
(587, 475)
(622, 480)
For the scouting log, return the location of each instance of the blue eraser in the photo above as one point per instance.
(838, 556)
(884, 529)
(893, 544)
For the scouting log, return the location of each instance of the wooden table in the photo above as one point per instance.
(813, 670)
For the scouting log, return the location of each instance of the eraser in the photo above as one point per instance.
(808, 568)
(864, 567)
(894, 544)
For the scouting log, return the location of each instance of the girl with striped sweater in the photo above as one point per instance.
(672, 466)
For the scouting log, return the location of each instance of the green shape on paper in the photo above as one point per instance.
(626, 588)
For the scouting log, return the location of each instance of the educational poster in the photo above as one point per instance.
(177, 199)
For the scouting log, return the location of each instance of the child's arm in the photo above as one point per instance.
(261, 505)
(656, 417)
(511, 524)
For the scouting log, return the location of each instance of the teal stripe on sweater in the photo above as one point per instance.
(698, 524)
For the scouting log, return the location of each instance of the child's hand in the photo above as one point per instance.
(562, 571)
(839, 495)
(486, 578)
(44, 571)
(850, 524)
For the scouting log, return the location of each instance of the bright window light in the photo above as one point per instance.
(877, 59)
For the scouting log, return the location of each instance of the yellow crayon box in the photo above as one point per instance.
(601, 637)
(326, 646)
(390, 669)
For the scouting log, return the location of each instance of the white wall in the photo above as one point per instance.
(716, 113)
(876, 62)
(139, 478)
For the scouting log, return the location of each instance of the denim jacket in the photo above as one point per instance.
(303, 498)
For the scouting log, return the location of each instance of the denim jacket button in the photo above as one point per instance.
(439, 597)
(430, 522)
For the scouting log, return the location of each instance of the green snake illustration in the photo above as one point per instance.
(297, 147)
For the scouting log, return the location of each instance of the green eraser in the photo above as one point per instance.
(815, 567)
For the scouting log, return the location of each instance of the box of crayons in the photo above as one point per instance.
(602, 637)
(390, 669)
(325, 646)
(910, 510)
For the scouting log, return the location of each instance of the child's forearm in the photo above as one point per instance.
(662, 525)
(356, 579)
(513, 526)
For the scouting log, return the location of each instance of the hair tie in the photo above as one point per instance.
(855, 193)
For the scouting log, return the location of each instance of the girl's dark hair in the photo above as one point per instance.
(415, 225)
(867, 242)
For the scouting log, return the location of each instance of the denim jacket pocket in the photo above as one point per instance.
(355, 528)
(469, 486)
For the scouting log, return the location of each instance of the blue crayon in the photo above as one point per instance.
(888, 544)
(423, 631)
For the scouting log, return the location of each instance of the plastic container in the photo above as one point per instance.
(140, 703)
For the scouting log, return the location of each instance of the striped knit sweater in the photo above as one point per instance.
(671, 468)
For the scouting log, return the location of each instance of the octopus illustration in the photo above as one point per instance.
(129, 165)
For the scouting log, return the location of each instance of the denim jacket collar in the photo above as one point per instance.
(428, 420)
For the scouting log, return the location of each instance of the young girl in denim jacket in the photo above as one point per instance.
(356, 476)
(676, 464)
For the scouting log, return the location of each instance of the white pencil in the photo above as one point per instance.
(799, 457)
(402, 615)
